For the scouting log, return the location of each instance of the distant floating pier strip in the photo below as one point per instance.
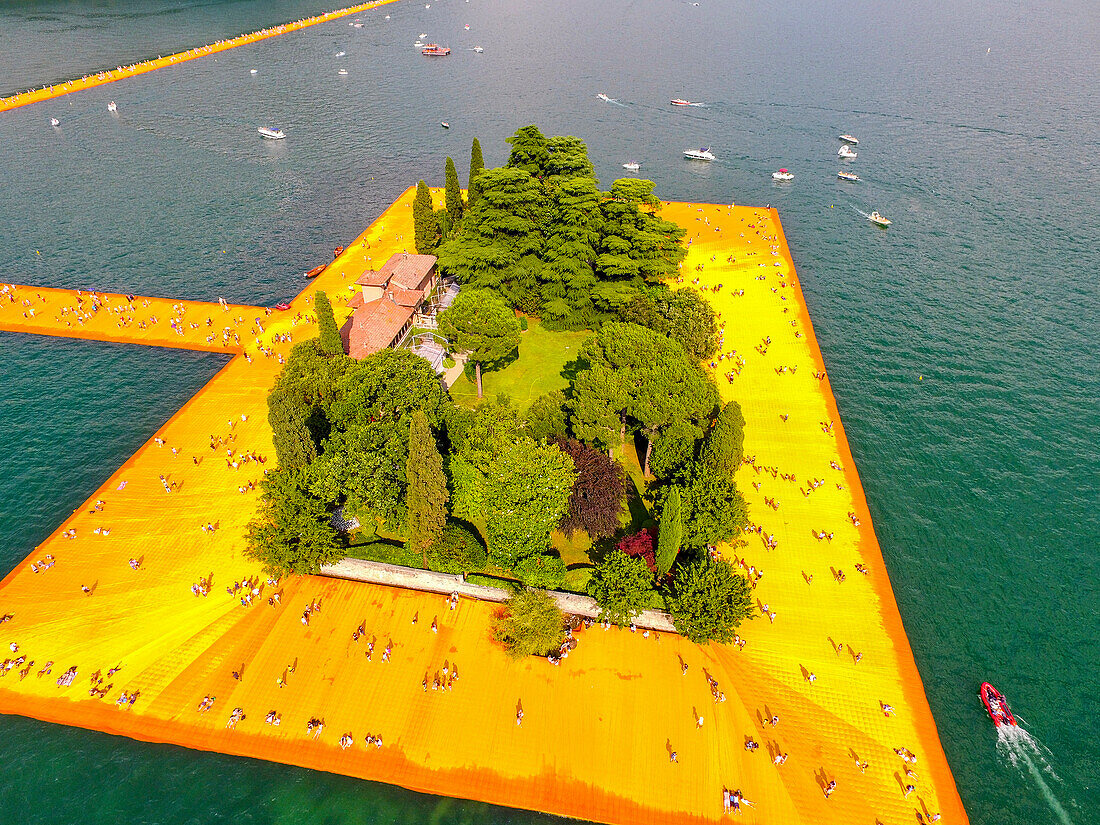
(134, 69)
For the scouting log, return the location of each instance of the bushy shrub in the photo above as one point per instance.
(543, 571)
(523, 323)
(641, 545)
(621, 587)
(530, 624)
(458, 551)
(709, 600)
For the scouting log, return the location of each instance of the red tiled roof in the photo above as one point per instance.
(402, 270)
(407, 297)
(374, 326)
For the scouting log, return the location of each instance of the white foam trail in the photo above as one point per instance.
(1023, 751)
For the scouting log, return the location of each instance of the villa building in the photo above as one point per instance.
(389, 303)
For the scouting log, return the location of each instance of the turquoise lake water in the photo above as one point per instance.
(979, 128)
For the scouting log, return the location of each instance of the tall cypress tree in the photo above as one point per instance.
(426, 495)
(670, 533)
(453, 194)
(294, 444)
(331, 343)
(425, 225)
(477, 164)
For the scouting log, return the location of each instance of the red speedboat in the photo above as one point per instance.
(679, 101)
(996, 705)
(282, 307)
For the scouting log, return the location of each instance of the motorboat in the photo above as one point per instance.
(253, 71)
(679, 101)
(419, 44)
(317, 270)
(782, 175)
(435, 50)
(340, 54)
(422, 35)
(996, 706)
(54, 121)
(268, 133)
(112, 107)
(444, 124)
(605, 98)
(342, 71)
(467, 27)
(633, 166)
(703, 153)
(849, 139)
(478, 49)
(852, 176)
(845, 151)
(879, 220)
(356, 25)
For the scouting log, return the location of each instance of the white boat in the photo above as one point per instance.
(633, 166)
(112, 107)
(702, 153)
(879, 220)
(478, 49)
(54, 121)
(419, 44)
(253, 71)
(340, 54)
(444, 124)
(342, 71)
(422, 35)
(467, 27)
(356, 25)
(852, 176)
(845, 151)
(782, 175)
(268, 133)
(849, 139)
(605, 98)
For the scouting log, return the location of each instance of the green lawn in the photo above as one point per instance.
(538, 370)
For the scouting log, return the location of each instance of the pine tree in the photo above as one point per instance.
(427, 487)
(425, 225)
(670, 534)
(453, 195)
(331, 343)
(477, 164)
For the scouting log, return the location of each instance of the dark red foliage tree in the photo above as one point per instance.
(641, 545)
(598, 495)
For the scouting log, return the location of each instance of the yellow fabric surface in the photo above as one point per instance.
(596, 730)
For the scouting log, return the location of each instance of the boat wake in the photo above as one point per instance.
(607, 99)
(1029, 756)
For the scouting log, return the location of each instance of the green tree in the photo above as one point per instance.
(670, 533)
(622, 586)
(425, 224)
(291, 533)
(681, 314)
(530, 624)
(644, 379)
(547, 417)
(331, 344)
(426, 495)
(453, 194)
(479, 324)
(673, 453)
(713, 510)
(294, 445)
(530, 151)
(709, 601)
(572, 235)
(477, 165)
(724, 446)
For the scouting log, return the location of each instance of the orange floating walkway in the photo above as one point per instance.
(122, 72)
(597, 731)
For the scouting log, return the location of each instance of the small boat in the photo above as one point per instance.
(419, 44)
(467, 27)
(478, 49)
(54, 121)
(633, 166)
(336, 252)
(112, 107)
(845, 151)
(268, 133)
(317, 270)
(342, 71)
(444, 124)
(605, 98)
(996, 706)
(849, 139)
(356, 25)
(253, 71)
(282, 307)
(852, 176)
(340, 54)
(702, 153)
(422, 35)
(434, 50)
(782, 175)
(679, 101)
(879, 220)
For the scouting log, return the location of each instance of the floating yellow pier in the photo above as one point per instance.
(114, 589)
(134, 69)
